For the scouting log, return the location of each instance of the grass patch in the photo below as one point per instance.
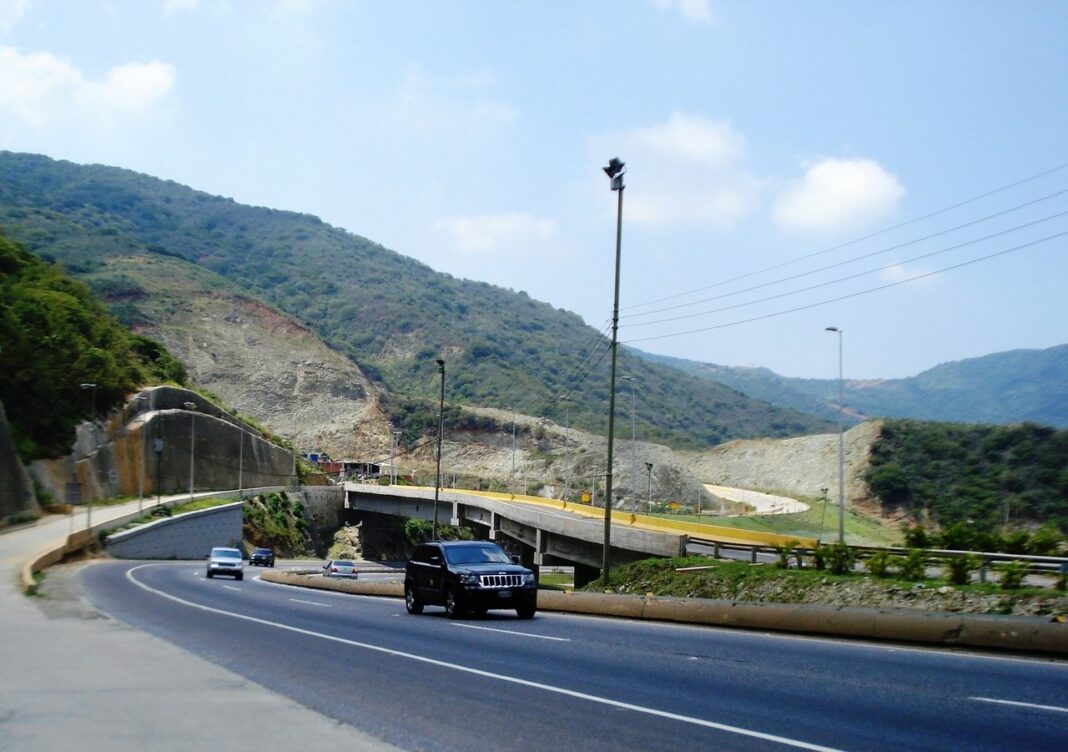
(556, 581)
(821, 516)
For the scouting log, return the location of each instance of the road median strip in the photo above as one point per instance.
(1015, 633)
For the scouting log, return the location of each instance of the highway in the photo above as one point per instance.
(571, 682)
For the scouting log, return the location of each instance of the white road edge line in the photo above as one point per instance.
(231, 587)
(487, 674)
(1014, 703)
(311, 603)
(512, 632)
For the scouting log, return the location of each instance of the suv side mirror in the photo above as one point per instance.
(435, 560)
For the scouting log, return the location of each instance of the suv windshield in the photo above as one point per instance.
(226, 553)
(476, 555)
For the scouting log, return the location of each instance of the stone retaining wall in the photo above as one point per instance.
(187, 536)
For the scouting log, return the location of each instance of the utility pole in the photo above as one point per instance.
(614, 171)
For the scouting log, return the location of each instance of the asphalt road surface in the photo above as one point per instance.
(568, 682)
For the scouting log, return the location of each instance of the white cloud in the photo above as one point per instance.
(134, 86)
(506, 233)
(694, 11)
(839, 195)
(11, 12)
(178, 6)
(39, 86)
(688, 169)
(693, 137)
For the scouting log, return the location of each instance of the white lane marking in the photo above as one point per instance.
(311, 603)
(487, 674)
(1053, 708)
(853, 643)
(512, 632)
(231, 587)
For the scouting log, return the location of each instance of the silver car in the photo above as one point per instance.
(340, 568)
(226, 561)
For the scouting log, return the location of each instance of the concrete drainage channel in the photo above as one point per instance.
(1024, 634)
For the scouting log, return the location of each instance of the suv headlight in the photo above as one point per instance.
(528, 578)
(466, 578)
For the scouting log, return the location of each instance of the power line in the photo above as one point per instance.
(859, 258)
(851, 276)
(846, 244)
(851, 295)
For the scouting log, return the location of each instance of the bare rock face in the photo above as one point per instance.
(804, 465)
(268, 367)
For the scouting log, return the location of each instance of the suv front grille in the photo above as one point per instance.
(501, 580)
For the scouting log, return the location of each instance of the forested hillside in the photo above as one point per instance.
(984, 476)
(1007, 387)
(388, 313)
(56, 337)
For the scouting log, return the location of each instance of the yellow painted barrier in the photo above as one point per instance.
(657, 524)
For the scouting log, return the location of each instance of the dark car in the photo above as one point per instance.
(261, 557)
(468, 576)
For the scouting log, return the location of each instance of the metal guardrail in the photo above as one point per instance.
(1035, 564)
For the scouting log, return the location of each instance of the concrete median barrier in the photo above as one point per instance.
(1028, 634)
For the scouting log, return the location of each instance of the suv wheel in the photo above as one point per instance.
(411, 601)
(527, 612)
(452, 604)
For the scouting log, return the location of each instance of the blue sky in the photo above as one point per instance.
(791, 165)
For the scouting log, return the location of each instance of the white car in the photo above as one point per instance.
(340, 568)
(226, 561)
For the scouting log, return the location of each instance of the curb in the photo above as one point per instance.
(1013, 633)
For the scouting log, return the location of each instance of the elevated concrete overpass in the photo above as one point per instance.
(546, 532)
(550, 532)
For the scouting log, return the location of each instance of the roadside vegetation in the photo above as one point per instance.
(274, 521)
(902, 583)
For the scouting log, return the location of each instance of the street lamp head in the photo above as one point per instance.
(834, 329)
(441, 365)
(614, 171)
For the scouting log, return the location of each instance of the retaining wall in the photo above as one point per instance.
(187, 536)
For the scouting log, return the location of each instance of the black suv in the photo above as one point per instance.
(263, 557)
(467, 576)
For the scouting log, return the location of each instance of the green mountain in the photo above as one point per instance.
(64, 356)
(389, 314)
(1002, 388)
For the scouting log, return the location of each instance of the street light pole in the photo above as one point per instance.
(512, 483)
(633, 441)
(191, 407)
(841, 441)
(567, 434)
(144, 456)
(441, 431)
(614, 171)
(92, 417)
(649, 488)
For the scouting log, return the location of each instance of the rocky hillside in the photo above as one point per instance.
(805, 465)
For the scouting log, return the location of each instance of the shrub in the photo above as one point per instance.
(917, 537)
(1012, 575)
(960, 568)
(784, 553)
(879, 563)
(819, 557)
(840, 558)
(914, 566)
